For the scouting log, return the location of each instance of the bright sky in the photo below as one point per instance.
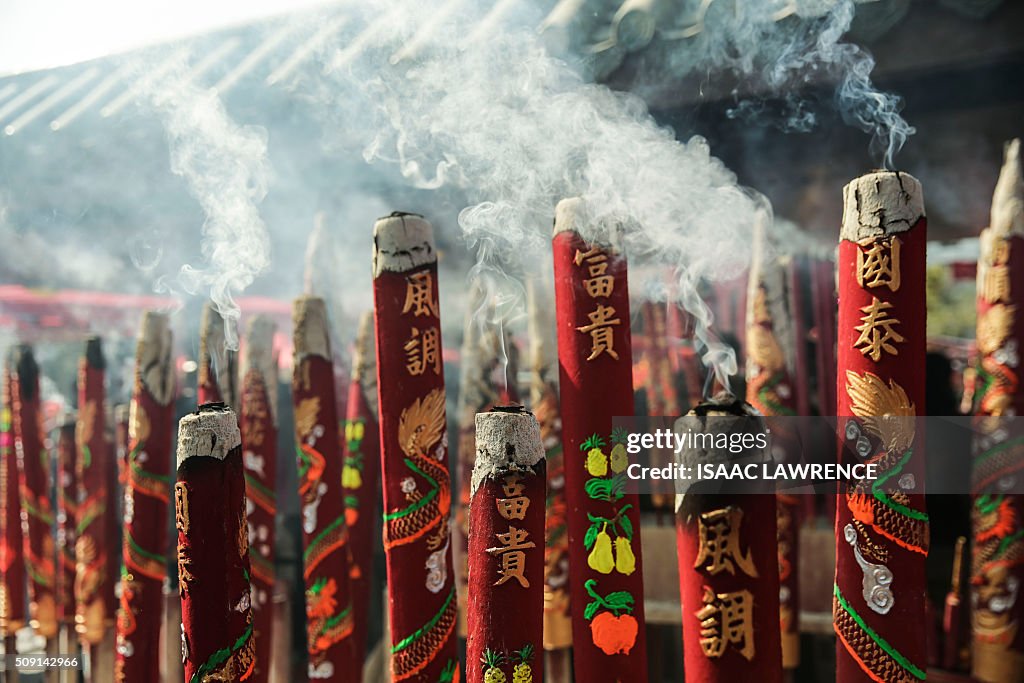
(39, 34)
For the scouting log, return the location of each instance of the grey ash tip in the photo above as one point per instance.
(211, 432)
(507, 440)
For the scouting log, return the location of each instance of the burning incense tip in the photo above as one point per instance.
(258, 356)
(401, 242)
(571, 215)
(211, 431)
(153, 358)
(26, 370)
(309, 316)
(1008, 198)
(881, 203)
(507, 440)
(94, 353)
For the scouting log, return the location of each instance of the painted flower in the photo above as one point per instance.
(408, 485)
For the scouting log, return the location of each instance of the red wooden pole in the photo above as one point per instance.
(67, 519)
(506, 552)
(360, 477)
(147, 493)
(213, 548)
(12, 560)
(414, 452)
(770, 363)
(606, 589)
(997, 565)
(329, 619)
(259, 456)
(881, 525)
(728, 567)
(34, 482)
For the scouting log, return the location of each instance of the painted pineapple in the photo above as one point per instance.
(523, 673)
(597, 461)
(492, 667)
(620, 460)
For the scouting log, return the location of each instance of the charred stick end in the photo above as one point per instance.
(719, 408)
(402, 242)
(507, 440)
(94, 353)
(212, 432)
(26, 370)
(153, 357)
(309, 316)
(879, 204)
(259, 357)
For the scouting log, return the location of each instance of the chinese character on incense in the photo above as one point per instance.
(596, 384)
(881, 525)
(414, 451)
(505, 618)
(213, 547)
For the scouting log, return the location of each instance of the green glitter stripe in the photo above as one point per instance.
(1007, 542)
(312, 544)
(88, 517)
(881, 642)
(998, 449)
(219, 657)
(987, 504)
(337, 618)
(88, 455)
(422, 502)
(145, 553)
(418, 633)
(266, 492)
(883, 497)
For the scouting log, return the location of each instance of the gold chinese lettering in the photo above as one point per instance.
(726, 619)
(513, 556)
(602, 335)
(600, 284)
(876, 330)
(181, 523)
(878, 264)
(419, 295)
(719, 532)
(516, 504)
(422, 351)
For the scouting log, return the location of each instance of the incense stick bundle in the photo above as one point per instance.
(34, 483)
(361, 476)
(98, 514)
(596, 384)
(329, 618)
(997, 567)
(770, 361)
(728, 562)
(67, 519)
(213, 548)
(881, 530)
(146, 498)
(12, 560)
(544, 401)
(218, 365)
(414, 451)
(506, 555)
(259, 456)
